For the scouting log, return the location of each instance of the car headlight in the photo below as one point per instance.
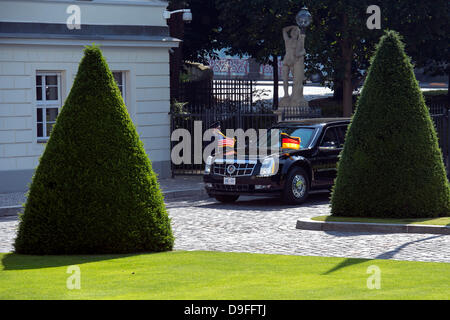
(267, 167)
(208, 164)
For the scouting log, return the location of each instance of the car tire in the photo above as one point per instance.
(296, 188)
(226, 199)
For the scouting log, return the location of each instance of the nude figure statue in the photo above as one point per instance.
(293, 62)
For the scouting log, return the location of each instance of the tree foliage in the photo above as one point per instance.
(338, 43)
(94, 190)
(339, 34)
(424, 27)
(254, 27)
(391, 164)
(201, 35)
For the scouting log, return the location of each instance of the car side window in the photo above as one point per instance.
(341, 130)
(330, 139)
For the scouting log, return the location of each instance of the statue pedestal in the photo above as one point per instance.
(288, 105)
(291, 102)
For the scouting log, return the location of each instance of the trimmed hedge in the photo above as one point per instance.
(391, 164)
(94, 190)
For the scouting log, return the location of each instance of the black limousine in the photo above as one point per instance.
(291, 173)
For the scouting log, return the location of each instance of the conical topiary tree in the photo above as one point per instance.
(391, 164)
(94, 190)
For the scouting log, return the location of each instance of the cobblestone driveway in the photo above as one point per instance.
(268, 226)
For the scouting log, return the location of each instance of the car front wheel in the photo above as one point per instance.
(226, 199)
(296, 189)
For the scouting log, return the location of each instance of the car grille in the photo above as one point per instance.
(241, 169)
(237, 187)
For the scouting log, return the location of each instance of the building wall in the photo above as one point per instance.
(147, 100)
(102, 12)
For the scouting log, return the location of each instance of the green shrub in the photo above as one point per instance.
(94, 190)
(391, 164)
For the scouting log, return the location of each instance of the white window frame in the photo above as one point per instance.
(124, 84)
(44, 104)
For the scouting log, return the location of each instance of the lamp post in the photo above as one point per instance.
(175, 21)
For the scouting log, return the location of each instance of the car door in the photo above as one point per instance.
(341, 131)
(327, 156)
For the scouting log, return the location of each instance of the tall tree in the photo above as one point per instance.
(254, 28)
(339, 43)
(201, 35)
(424, 27)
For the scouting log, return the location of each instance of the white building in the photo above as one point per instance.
(39, 57)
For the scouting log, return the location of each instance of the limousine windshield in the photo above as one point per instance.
(304, 133)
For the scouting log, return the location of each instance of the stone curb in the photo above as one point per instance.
(307, 224)
(168, 195)
(10, 210)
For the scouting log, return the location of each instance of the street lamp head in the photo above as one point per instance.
(187, 16)
(303, 18)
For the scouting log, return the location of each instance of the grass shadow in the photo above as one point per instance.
(386, 255)
(13, 261)
(346, 263)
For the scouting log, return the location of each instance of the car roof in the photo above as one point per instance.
(313, 122)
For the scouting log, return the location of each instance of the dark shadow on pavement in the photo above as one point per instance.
(344, 234)
(386, 255)
(350, 234)
(13, 261)
(266, 203)
(391, 254)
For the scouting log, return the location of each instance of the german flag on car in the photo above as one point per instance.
(288, 142)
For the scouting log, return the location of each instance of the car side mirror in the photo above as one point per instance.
(328, 146)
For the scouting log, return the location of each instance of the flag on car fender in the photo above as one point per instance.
(288, 142)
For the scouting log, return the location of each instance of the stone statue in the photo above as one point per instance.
(293, 62)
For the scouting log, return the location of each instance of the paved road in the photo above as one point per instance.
(268, 226)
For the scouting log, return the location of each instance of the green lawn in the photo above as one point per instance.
(215, 275)
(443, 221)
